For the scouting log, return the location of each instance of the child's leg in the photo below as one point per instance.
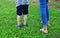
(43, 15)
(25, 19)
(25, 13)
(18, 19)
(44, 20)
(19, 13)
(43, 11)
(47, 13)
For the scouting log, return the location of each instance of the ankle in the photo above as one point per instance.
(18, 24)
(24, 23)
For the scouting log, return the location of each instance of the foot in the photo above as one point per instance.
(18, 25)
(25, 25)
(45, 31)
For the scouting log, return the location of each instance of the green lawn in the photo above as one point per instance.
(8, 22)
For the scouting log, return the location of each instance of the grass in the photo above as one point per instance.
(57, 5)
(8, 22)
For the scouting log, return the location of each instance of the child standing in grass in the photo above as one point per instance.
(22, 8)
(44, 15)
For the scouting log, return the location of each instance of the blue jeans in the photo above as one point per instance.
(44, 11)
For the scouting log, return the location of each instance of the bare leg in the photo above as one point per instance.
(18, 20)
(25, 19)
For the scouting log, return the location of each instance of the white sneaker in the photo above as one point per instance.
(45, 31)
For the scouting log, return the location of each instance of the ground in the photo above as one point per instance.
(8, 22)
